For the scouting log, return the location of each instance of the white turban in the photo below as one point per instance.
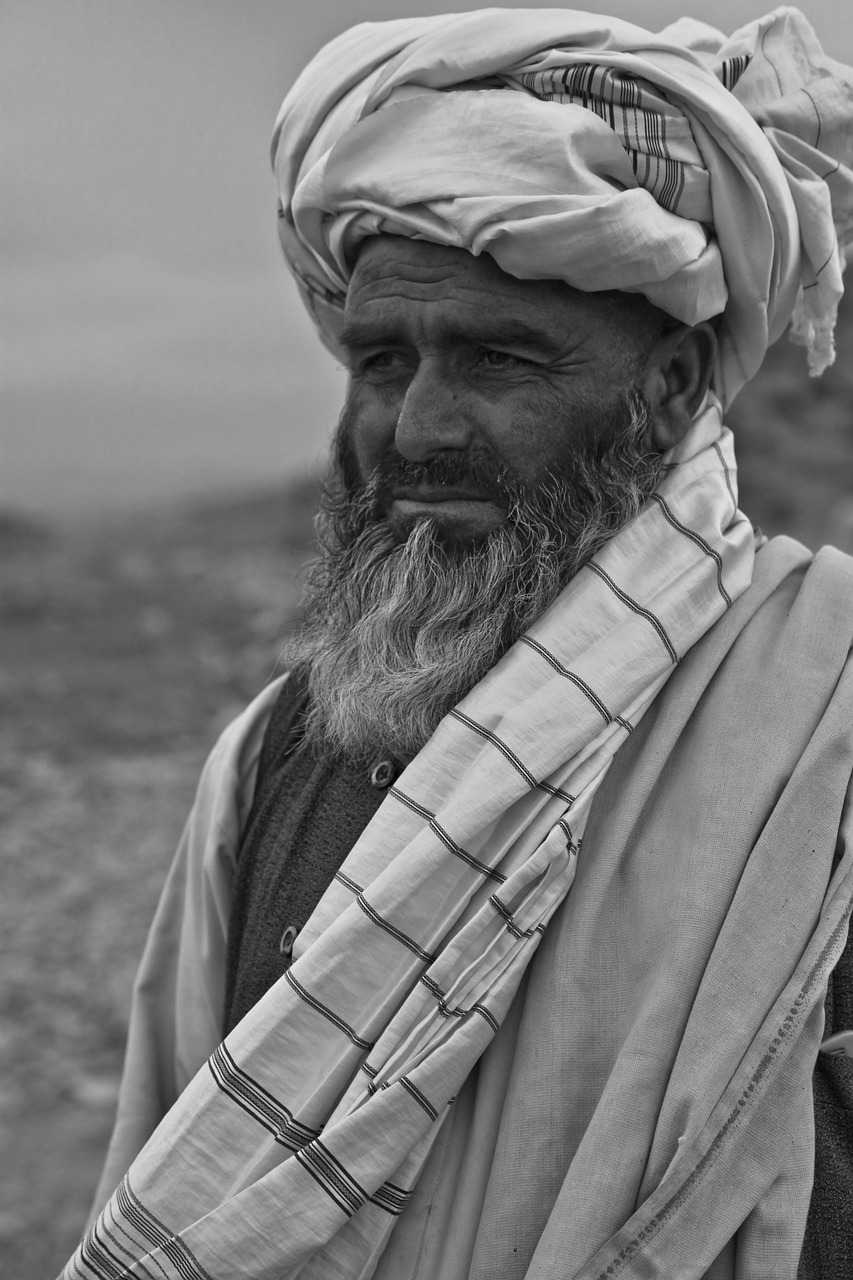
(713, 176)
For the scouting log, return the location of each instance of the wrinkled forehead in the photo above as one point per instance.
(381, 255)
(420, 268)
(397, 276)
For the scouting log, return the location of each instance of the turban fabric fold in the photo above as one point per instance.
(712, 175)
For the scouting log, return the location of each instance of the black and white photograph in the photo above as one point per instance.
(426, 604)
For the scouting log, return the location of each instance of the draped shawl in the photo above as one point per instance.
(711, 175)
(698, 835)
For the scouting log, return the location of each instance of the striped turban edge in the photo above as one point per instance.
(712, 175)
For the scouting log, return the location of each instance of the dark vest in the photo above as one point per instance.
(306, 816)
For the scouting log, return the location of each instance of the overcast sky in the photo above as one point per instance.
(153, 345)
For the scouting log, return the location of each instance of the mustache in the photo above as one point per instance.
(476, 470)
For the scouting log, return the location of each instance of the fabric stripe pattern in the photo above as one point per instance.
(638, 609)
(576, 680)
(659, 145)
(455, 849)
(257, 1102)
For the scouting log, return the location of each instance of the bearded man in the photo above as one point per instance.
(522, 898)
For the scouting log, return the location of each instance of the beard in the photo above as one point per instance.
(396, 633)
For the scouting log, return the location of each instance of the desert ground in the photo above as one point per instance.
(125, 647)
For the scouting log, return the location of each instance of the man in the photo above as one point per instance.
(520, 896)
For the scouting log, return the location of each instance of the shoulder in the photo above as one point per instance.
(783, 560)
(797, 598)
(777, 663)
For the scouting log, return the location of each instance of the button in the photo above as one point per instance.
(288, 938)
(839, 1045)
(382, 774)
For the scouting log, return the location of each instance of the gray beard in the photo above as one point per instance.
(397, 633)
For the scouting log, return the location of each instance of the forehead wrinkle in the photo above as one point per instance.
(416, 280)
(454, 330)
(417, 269)
(447, 287)
(376, 270)
(413, 290)
(455, 308)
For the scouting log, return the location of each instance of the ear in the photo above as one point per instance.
(678, 374)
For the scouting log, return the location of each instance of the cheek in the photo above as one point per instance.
(365, 431)
(534, 436)
(546, 434)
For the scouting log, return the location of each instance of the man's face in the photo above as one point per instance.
(462, 377)
(495, 436)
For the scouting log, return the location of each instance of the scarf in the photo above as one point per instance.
(646, 1109)
(712, 175)
(327, 1096)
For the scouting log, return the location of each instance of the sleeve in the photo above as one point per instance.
(176, 1008)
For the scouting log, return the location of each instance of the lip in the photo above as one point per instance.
(440, 494)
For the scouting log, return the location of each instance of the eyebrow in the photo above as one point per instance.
(357, 335)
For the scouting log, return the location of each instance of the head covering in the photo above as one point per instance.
(711, 175)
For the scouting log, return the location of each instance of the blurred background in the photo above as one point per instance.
(165, 405)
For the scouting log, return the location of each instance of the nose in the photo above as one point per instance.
(434, 415)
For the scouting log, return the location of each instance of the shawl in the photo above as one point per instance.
(783, 776)
(712, 175)
(329, 1093)
(680, 982)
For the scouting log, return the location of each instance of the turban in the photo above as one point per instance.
(712, 175)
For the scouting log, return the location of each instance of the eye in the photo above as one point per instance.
(378, 362)
(380, 359)
(494, 358)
